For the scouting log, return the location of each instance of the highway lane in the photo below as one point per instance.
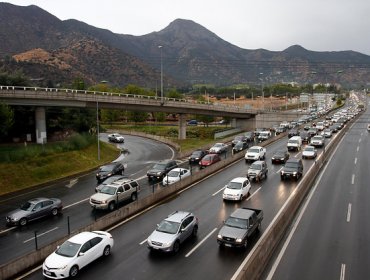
(132, 259)
(331, 239)
(74, 195)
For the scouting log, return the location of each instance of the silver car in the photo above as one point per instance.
(173, 231)
(34, 209)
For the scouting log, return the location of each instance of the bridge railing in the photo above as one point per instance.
(167, 100)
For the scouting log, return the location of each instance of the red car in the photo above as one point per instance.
(208, 160)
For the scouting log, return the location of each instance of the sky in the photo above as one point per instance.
(317, 25)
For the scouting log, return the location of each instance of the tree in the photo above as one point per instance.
(206, 119)
(173, 93)
(6, 118)
(137, 116)
(110, 116)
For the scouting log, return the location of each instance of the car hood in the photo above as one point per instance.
(100, 196)
(232, 232)
(55, 261)
(162, 237)
(155, 171)
(170, 180)
(17, 214)
(232, 191)
(103, 173)
(289, 169)
(308, 153)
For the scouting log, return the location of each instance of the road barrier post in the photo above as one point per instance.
(36, 240)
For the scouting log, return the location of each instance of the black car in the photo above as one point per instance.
(105, 171)
(196, 156)
(305, 136)
(240, 146)
(160, 169)
(249, 135)
(280, 156)
(293, 169)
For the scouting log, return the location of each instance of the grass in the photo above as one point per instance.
(40, 168)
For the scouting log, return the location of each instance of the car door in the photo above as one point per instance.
(36, 212)
(121, 194)
(86, 255)
(186, 228)
(245, 188)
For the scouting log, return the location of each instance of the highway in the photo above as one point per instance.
(201, 257)
(330, 238)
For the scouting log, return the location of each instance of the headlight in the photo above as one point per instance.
(109, 174)
(239, 240)
(294, 173)
(196, 158)
(282, 172)
(159, 173)
(219, 236)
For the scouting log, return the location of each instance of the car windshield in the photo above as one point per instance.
(234, 186)
(68, 249)
(106, 168)
(256, 166)
(108, 190)
(293, 141)
(236, 223)
(291, 165)
(317, 138)
(197, 153)
(160, 166)
(173, 174)
(218, 145)
(309, 149)
(27, 206)
(253, 151)
(279, 154)
(168, 227)
(239, 145)
(238, 138)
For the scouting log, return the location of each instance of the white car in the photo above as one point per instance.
(327, 133)
(237, 189)
(309, 152)
(175, 175)
(76, 253)
(255, 153)
(317, 141)
(116, 138)
(218, 148)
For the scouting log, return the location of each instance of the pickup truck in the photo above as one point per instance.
(239, 227)
(111, 195)
(255, 153)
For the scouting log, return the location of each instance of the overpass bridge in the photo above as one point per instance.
(47, 97)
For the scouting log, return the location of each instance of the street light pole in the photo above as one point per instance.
(97, 126)
(263, 94)
(160, 47)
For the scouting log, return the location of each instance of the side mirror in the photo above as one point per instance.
(81, 254)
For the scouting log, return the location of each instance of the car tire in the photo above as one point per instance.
(111, 206)
(23, 222)
(245, 244)
(195, 231)
(73, 271)
(282, 178)
(134, 196)
(123, 171)
(106, 251)
(54, 211)
(176, 247)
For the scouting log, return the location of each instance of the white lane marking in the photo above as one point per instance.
(200, 243)
(359, 140)
(41, 234)
(253, 194)
(279, 170)
(342, 272)
(297, 154)
(353, 179)
(78, 202)
(287, 241)
(355, 161)
(218, 191)
(349, 212)
(142, 242)
(358, 148)
(72, 183)
(6, 230)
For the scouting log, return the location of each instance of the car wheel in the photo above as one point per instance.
(282, 177)
(106, 251)
(112, 206)
(122, 172)
(73, 271)
(245, 245)
(176, 247)
(195, 231)
(54, 212)
(23, 222)
(134, 196)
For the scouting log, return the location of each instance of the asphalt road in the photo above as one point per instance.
(202, 257)
(331, 238)
(14, 242)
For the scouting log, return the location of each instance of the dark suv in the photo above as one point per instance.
(160, 169)
(105, 171)
(293, 168)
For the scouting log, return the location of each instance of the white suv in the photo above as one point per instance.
(237, 189)
(173, 231)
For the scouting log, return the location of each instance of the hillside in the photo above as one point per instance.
(190, 54)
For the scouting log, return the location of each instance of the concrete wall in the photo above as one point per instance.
(267, 120)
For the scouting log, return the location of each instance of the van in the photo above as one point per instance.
(294, 143)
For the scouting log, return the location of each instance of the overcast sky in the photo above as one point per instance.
(318, 25)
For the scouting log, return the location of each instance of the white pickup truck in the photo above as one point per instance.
(255, 153)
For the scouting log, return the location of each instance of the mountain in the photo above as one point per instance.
(40, 43)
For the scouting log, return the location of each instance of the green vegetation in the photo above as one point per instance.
(25, 166)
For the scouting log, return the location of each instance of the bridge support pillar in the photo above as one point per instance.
(40, 125)
(182, 126)
(244, 124)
